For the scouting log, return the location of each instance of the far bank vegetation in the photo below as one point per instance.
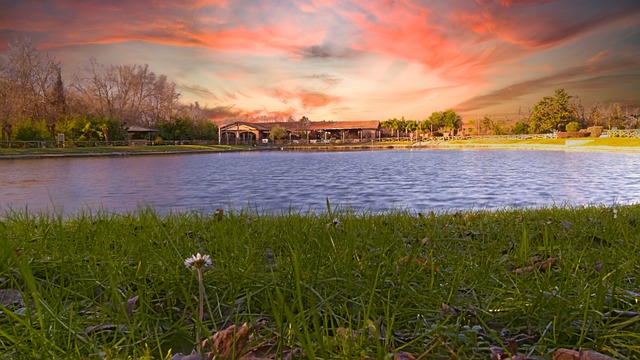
(560, 112)
(97, 103)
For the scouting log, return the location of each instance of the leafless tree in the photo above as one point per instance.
(131, 93)
(29, 88)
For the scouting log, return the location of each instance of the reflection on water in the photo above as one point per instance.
(366, 180)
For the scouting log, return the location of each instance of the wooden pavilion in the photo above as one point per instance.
(243, 132)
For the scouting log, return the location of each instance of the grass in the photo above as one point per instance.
(121, 149)
(114, 286)
(614, 142)
(610, 142)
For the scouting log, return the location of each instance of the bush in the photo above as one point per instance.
(577, 134)
(32, 132)
(573, 126)
(595, 131)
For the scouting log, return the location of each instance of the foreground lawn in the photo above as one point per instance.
(332, 285)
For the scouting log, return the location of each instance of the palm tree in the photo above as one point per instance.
(412, 126)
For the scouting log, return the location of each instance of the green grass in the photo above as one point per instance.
(616, 142)
(121, 149)
(428, 285)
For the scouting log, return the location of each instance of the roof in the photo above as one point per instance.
(345, 125)
(136, 128)
(312, 125)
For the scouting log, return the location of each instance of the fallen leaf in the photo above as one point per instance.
(498, 353)
(620, 314)
(269, 352)
(131, 304)
(403, 355)
(537, 265)
(192, 356)
(229, 343)
(10, 297)
(566, 354)
(567, 224)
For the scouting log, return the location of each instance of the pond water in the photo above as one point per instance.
(278, 181)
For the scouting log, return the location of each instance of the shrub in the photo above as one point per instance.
(32, 132)
(573, 126)
(577, 134)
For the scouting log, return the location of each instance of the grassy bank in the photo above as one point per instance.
(330, 285)
(614, 142)
(597, 144)
(124, 150)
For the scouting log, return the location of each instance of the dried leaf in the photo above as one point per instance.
(219, 214)
(566, 354)
(421, 260)
(268, 352)
(192, 356)
(537, 265)
(498, 353)
(403, 355)
(567, 224)
(598, 266)
(620, 314)
(131, 304)
(10, 297)
(229, 343)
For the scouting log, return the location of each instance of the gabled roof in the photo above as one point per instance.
(312, 125)
(136, 128)
(345, 125)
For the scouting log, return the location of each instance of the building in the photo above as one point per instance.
(243, 132)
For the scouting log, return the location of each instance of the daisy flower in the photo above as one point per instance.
(197, 261)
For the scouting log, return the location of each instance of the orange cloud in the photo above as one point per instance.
(307, 99)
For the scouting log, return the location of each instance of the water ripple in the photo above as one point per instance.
(367, 180)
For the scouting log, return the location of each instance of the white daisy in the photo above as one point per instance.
(197, 261)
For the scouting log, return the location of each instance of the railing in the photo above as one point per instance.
(633, 133)
(54, 144)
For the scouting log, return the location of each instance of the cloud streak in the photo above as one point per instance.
(349, 60)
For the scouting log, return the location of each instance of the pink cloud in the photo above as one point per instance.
(308, 99)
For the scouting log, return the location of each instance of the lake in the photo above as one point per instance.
(278, 181)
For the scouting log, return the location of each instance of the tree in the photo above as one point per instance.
(27, 87)
(412, 126)
(595, 114)
(552, 112)
(131, 93)
(452, 121)
(277, 133)
(614, 116)
(424, 126)
(304, 127)
(388, 124)
(436, 120)
(486, 124)
(519, 128)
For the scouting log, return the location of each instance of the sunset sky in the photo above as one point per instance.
(351, 60)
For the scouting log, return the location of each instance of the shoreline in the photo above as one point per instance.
(363, 147)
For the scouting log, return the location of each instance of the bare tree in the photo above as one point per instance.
(29, 87)
(129, 93)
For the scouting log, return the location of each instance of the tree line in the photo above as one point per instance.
(559, 112)
(437, 124)
(96, 103)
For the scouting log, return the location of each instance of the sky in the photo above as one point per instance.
(351, 60)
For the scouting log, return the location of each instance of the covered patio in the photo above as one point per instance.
(139, 135)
